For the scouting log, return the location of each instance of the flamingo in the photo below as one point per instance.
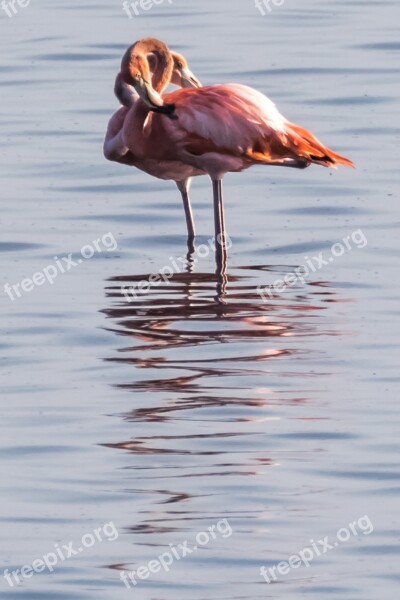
(114, 147)
(213, 129)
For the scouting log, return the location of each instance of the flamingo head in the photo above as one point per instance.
(182, 76)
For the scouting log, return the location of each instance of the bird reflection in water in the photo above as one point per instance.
(222, 367)
(211, 330)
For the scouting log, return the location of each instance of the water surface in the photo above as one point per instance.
(197, 402)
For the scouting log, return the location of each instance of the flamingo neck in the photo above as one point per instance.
(162, 73)
(137, 57)
(125, 93)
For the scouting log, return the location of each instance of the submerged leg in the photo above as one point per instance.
(219, 224)
(183, 187)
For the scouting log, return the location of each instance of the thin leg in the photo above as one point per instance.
(219, 224)
(183, 187)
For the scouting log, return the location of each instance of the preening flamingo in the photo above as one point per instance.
(114, 147)
(214, 129)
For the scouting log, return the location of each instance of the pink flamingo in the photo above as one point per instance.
(114, 147)
(214, 129)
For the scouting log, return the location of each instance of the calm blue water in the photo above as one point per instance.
(177, 412)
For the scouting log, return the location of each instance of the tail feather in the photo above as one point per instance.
(307, 146)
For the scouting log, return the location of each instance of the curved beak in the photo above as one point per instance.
(153, 98)
(188, 80)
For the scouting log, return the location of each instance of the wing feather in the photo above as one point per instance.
(230, 117)
(239, 121)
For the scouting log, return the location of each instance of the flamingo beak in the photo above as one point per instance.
(152, 98)
(188, 80)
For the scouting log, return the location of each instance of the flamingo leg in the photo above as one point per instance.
(219, 224)
(183, 187)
